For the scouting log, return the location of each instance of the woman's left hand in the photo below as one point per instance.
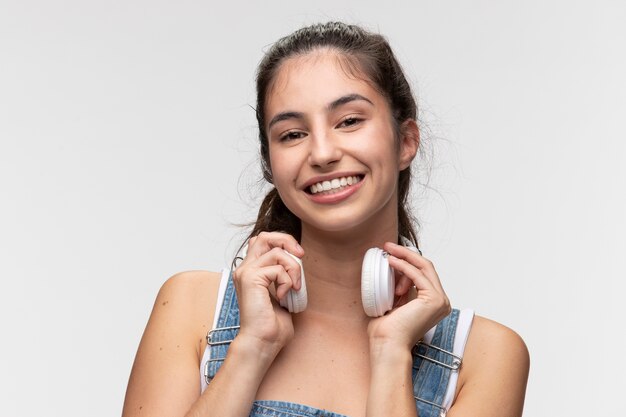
(407, 323)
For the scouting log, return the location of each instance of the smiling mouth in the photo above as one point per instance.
(335, 185)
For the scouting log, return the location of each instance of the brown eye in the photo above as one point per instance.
(291, 136)
(350, 121)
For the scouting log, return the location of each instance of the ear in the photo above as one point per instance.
(409, 142)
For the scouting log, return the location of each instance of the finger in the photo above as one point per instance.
(283, 284)
(403, 283)
(403, 252)
(401, 300)
(415, 259)
(279, 257)
(416, 276)
(266, 241)
(266, 276)
(281, 279)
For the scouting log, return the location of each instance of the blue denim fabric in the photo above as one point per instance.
(285, 409)
(430, 378)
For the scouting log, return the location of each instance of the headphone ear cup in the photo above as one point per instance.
(296, 301)
(368, 293)
(377, 283)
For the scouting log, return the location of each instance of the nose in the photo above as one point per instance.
(324, 150)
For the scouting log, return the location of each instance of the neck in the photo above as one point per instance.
(332, 264)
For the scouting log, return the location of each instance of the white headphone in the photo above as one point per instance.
(377, 283)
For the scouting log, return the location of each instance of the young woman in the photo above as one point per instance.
(338, 132)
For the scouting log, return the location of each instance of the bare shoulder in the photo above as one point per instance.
(489, 337)
(190, 286)
(169, 354)
(188, 299)
(492, 381)
(192, 280)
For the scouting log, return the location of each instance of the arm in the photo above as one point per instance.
(165, 377)
(392, 336)
(232, 391)
(492, 382)
(391, 382)
(165, 380)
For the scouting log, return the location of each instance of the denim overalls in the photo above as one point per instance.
(433, 364)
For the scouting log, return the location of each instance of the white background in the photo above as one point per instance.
(128, 152)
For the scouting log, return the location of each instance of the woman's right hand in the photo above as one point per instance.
(263, 321)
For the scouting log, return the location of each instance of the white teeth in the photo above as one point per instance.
(333, 184)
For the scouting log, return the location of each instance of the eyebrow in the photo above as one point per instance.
(347, 99)
(285, 116)
(332, 106)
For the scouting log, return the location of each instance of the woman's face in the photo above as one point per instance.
(333, 153)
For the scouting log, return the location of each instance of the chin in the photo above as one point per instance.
(340, 224)
(349, 219)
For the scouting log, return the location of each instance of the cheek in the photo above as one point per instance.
(284, 169)
(382, 150)
(284, 175)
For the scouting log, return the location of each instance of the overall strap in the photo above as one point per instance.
(433, 364)
(219, 338)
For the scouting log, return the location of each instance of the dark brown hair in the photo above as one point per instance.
(365, 54)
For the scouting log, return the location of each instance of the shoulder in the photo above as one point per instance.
(188, 290)
(493, 347)
(189, 285)
(186, 304)
(496, 363)
(488, 337)
(168, 357)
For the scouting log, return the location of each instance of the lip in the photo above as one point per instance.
(330, 177)
(338, 196)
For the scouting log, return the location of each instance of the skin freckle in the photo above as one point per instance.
(164, 302)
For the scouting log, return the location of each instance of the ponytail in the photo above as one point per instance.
(274, 216)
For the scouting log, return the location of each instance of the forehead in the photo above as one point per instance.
(318, 77)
